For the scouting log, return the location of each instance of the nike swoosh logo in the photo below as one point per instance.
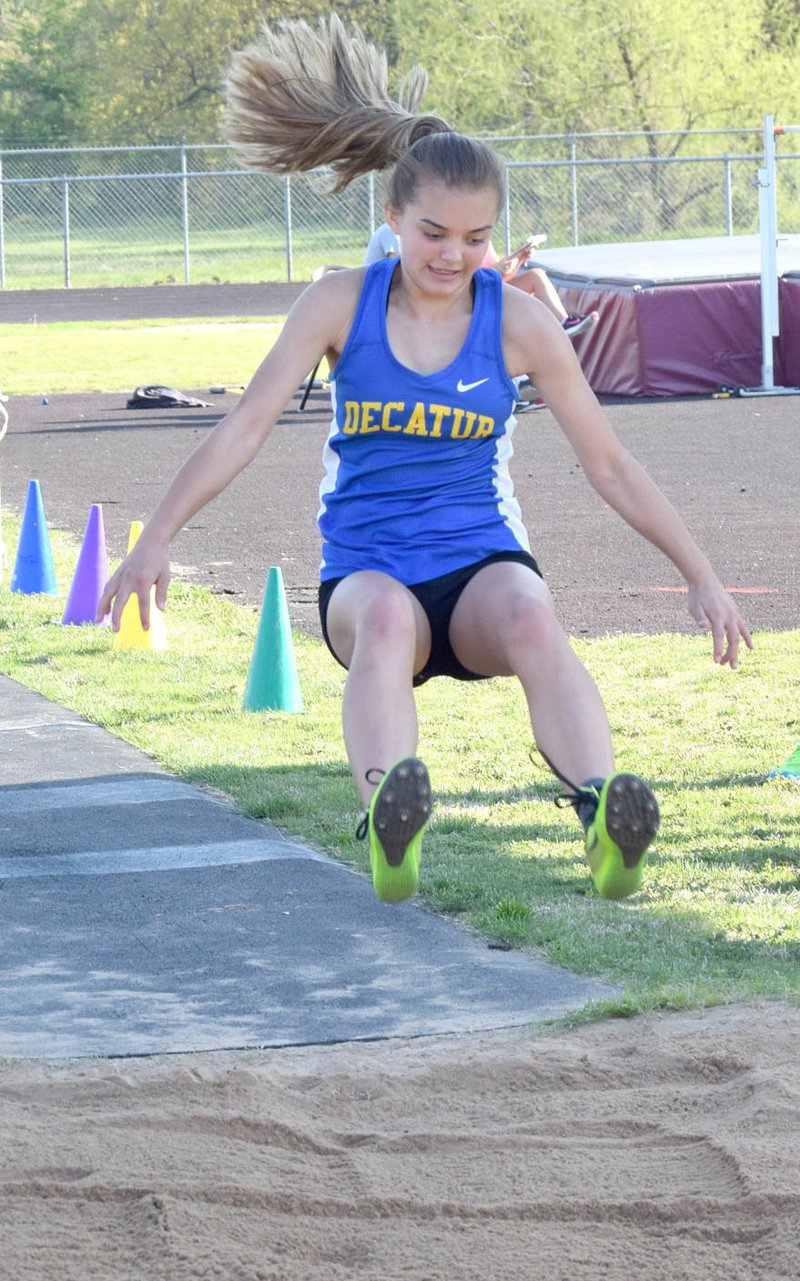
(460, 386)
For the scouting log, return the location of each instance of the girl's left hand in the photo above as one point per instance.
(507, 267)
(712, 608)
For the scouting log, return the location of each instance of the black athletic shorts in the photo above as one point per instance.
(438, 597)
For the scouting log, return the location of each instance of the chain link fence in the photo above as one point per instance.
(154, 215)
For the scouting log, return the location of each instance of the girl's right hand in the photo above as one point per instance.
(143, 568)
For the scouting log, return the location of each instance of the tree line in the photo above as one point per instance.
(114, 72)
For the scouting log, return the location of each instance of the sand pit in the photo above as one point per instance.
(659, 1147)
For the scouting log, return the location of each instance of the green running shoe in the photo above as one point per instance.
(395, 821)
(620, 817)
(625, 822)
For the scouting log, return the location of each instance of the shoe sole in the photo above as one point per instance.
(588, 323)
(629, 812)
(398, 815)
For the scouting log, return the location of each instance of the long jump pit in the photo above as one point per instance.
(677, 317)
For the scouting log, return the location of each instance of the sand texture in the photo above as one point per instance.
(659, 1147)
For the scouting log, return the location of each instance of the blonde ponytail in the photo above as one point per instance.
(300, 97)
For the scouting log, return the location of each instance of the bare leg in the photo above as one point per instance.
(380, 632)
(505, 624)
(537, 282)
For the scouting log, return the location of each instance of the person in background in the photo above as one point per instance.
(383, 243)
(535, 281)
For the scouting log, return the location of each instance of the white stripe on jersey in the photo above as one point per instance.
(330, 463)
(507, 504)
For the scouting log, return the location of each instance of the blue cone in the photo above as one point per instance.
(272, 683)
(34, 572)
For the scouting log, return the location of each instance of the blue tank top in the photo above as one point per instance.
(416, 477)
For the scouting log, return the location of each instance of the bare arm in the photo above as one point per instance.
(510, 264)
(316, 324)
(619, 479)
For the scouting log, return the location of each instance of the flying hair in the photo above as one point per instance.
(299, 98)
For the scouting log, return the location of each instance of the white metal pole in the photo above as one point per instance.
(771, 164)
(371, 200)
(287, 217)
(768, 224)
(767, 376)
(2, 230)
(66, 233)
(187, 275)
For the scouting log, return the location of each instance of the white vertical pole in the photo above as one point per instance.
(768, 222)
(371, 200)
(287, 216)
(728, 189)
(185, 214)
(65, 230)
(507, 222)
(2, 230)
(574, 188)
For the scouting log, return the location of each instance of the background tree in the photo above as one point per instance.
(139, 71)
(589, 65)
(45, 69)
(164, 60)
(135, 71)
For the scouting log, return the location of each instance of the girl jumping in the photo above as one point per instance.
(426, 565)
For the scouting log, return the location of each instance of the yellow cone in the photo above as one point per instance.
(131, 634)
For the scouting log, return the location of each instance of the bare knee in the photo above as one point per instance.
(386, 620)
(529, 626)
(532, 280)
(370, 616)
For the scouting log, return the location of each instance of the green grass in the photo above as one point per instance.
(719, 916)
(151, 253)
(98, 356)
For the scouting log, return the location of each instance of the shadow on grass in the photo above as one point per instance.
(548, 788)
(525, 885)
(323, 793)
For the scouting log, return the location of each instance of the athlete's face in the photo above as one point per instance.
(444, 234)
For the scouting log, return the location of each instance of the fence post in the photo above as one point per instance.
(728, 196)
(2, 228)
(185, 214)
(65, 226)
(507, 221)
(573, 187)
(371, 200)
(768, 220)
(287, 214)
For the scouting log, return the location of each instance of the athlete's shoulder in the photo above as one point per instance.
(520, 306)
(327, 306)
(336, 283)
(531, 333)
(525, 315)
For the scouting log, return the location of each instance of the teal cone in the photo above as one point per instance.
(272, 683)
